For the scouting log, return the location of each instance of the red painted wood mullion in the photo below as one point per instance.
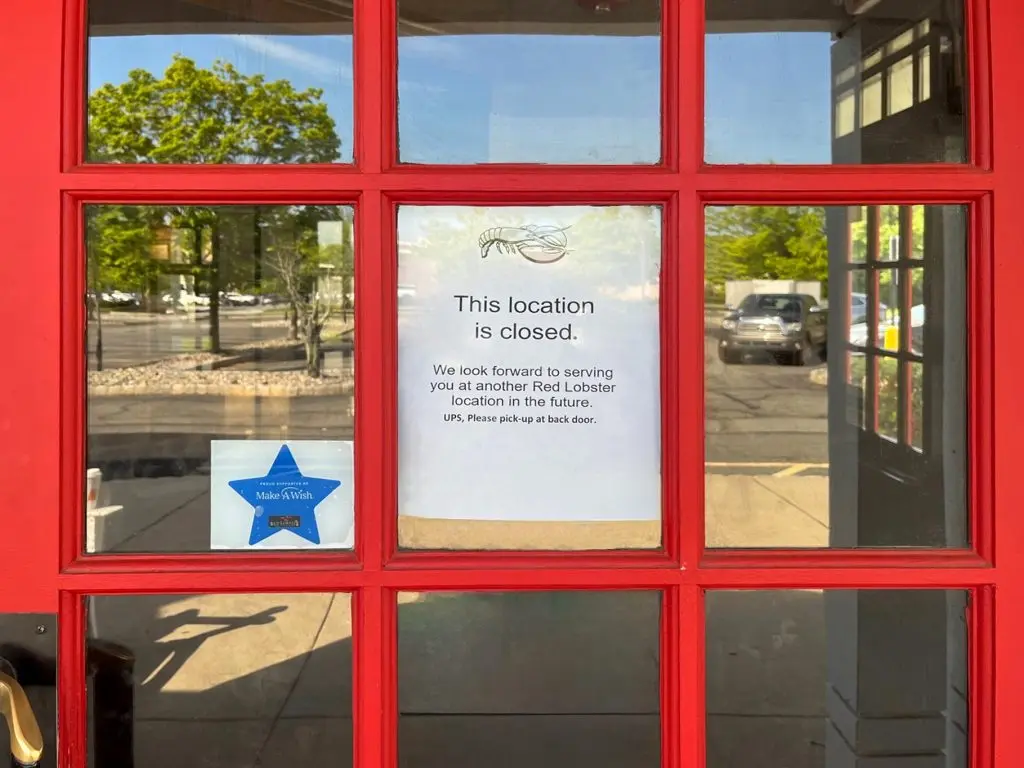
(374, 673)
(687, 18)
(842, 185)
(769, 575)
(690, 720)
(71, 512)
(374, 653)
(374, 411)
(73, 85)
(673, 31)
(677, 381)
(980, 383)
(30, 140)
(670, 659)
(690, 400)
(981, 677)
(72, 696)
(977, 33)
(1008, 490)
(389, 376)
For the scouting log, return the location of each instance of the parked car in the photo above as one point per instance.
(789, 326)
(859, 308)
(237, 299)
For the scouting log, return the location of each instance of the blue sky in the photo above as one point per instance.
(518, 98)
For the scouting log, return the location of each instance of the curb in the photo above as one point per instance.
(219, 390)
(283, 352)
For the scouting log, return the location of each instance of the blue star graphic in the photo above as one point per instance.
(284, 499)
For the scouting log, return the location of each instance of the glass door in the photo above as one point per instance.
(420, 383)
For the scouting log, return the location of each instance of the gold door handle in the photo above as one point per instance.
(26, 738)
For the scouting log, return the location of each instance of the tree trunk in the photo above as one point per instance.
(99, 333)
(257, 252)
(214, 289)
(314, 351)
(293, 321)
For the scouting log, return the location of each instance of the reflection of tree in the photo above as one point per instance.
(749, 242)
(119, 241)
(299, 262)
(193, 115)
(218, 115)
(224, 248)
(889, 249)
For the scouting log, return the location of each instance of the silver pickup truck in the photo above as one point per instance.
(792, 327)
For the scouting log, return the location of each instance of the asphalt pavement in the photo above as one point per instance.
(763, 417)
(136, 339)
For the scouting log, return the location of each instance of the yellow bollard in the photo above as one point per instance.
(892, 338)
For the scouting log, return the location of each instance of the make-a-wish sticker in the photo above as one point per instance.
(273, 494)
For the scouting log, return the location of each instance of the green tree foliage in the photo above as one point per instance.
(119, 239)
(194, 115)
(304, 268)
(748, 242)
(888, 249)
(118, 242)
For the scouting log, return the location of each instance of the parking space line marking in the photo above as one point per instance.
(795, 469)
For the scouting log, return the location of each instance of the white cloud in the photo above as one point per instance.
(312, 64)
(431, 46)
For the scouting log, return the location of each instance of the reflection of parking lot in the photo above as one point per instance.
(761, 413)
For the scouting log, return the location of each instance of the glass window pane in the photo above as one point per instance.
(220, 378)
(525, 82)
(871, 100)
(917, 232)
(192, 82)
(529, 680)
(889, 232)
(901, 85)
(888, 394)
(856, 387)
(821, 678)
(528, 377)
(219, 680)
(823, 377)
(889, 310)
(916, 429)
(812, 84)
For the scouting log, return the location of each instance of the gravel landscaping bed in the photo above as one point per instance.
(204, 373)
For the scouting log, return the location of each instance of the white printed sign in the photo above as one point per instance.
(273, 494)
(528, 374)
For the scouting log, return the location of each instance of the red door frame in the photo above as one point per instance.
(43, 186)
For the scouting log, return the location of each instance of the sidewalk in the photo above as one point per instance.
(265, 680)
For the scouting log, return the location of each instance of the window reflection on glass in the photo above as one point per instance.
(192, 82)
(230, 681)
(217, 332)
(522, 82)
(822, 678)
(818, 84)
(529, 680)
(835, 376)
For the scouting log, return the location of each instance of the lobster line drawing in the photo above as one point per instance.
(541, 244)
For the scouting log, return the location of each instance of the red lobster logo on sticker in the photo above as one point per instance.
(541, 244)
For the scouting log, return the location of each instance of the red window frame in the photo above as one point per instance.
(44, 184)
